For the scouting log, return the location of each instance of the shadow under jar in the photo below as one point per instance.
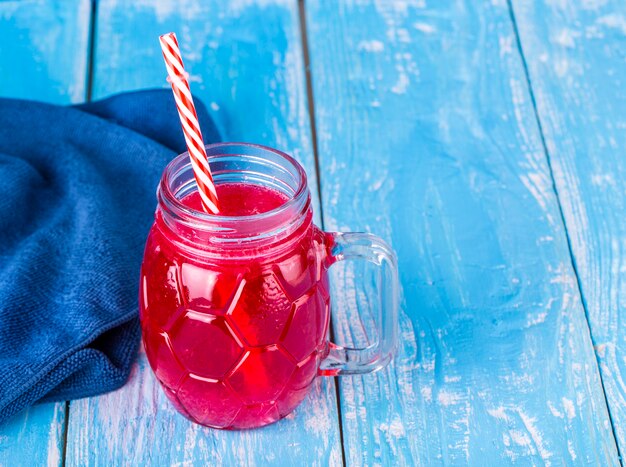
(235, 310)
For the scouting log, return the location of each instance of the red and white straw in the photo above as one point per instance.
(177, 76)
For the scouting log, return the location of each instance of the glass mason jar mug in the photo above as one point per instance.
(235, 311)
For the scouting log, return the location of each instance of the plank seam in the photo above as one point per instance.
(311, 103)
(89, 79)
(91, 49)
(311, 108)
(66, 424)
(561, 213)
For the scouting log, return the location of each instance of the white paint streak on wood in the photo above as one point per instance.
(55, 436)
(424, 27)
(371, 46)
(537, 437)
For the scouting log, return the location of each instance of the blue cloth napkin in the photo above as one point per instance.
(77, 197)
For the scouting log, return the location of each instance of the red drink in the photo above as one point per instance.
(235, 308)
(240, 199)
(235, 337)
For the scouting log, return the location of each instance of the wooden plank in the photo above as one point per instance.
(43, 56)
(245, 62)
(44, 49)
(575, 57)
(427, 137)
(34, 437)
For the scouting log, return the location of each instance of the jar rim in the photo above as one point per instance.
(234, 226)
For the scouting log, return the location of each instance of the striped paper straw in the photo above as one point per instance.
(177, 76)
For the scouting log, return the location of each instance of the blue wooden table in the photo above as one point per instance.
(485, 140)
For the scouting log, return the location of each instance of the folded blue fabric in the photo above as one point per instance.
(77, 197)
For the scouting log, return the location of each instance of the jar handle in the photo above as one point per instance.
(350, 361)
